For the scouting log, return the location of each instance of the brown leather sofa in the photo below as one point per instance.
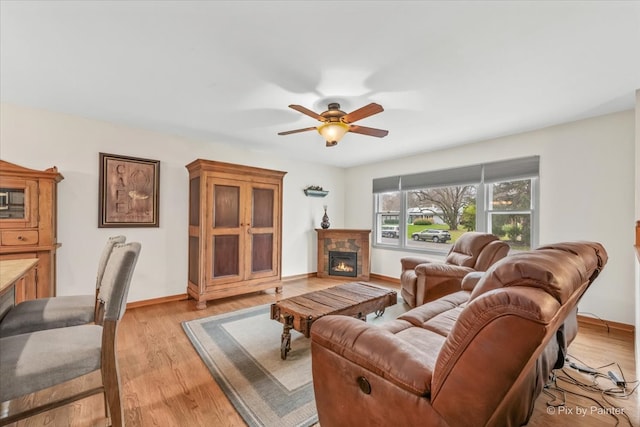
(476, 357)
(424, 279)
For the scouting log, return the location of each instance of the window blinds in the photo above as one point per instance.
(525, 167)
(512, 170)
(386, 185)
(443, 178)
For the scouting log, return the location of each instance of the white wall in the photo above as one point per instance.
(637, 218)
(586, 193)
(40, 139)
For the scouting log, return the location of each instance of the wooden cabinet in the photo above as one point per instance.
(235, 230)
(28, 206)
(17, 282)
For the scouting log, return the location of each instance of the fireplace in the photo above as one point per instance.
(343, 240)
(343, 263)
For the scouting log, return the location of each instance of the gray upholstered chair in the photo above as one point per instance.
(38, 360)
(57, 312)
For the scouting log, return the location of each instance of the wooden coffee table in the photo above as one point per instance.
(350, 299)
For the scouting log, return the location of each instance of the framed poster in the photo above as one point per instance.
(129, 192)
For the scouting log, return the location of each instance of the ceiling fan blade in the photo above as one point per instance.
(361, 113)
(380, 133)
(308, 112)
(289, 132)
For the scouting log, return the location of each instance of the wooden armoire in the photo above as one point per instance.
(235, 230)
(28, 226)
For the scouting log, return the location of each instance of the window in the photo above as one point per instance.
(429, 211)
(435, 215)
(510, 212)
(388, 218)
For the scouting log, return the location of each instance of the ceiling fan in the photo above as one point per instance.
(336, 123)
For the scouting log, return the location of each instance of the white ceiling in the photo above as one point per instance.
(447, 73)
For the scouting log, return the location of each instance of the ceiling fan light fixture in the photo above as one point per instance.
(335, 122)
(333, 131)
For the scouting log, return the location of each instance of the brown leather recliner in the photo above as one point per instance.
(423, 279)
(477, 357)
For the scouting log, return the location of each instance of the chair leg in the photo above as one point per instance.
(110, 375)
(106, 404)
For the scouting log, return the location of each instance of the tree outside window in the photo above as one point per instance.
(446, 203)
(510, 212)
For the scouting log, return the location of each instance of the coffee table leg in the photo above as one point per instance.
(379, 312)
(285, 341)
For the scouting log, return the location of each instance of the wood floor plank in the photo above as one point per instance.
(165, 383)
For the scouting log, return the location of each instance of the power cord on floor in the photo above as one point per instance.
(621, 390)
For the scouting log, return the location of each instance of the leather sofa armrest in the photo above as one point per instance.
(443, 270)
(471, 280)
(410, 263)
(436, 280)
(378, 351)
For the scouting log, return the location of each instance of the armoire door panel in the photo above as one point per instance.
(194, 201)
(262, 207)
(226, 256)
(226, 209)
(194, 258)
(261, 253)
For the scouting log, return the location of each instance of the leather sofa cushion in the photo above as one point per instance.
(471, 280)
(490, 254)
(467, 249)
(377, 350)
(535, 269)
(438, 316)
(591, 254)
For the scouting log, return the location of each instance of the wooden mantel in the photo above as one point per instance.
(356, 240)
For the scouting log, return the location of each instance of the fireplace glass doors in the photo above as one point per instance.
(343, 263)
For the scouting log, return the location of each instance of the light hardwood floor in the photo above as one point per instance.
(165, 383)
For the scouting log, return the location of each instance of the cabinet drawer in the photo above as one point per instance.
(15, 238)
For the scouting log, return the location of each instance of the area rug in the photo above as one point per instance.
(242, 351)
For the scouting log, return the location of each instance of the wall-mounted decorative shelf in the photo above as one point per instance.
(315, 193)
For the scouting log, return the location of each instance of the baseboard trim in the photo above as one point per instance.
(299, 277)
(385, 278)
(606, 324)
(154, 301)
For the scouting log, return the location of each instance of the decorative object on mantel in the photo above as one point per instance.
(325, 219)
(315, 191)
